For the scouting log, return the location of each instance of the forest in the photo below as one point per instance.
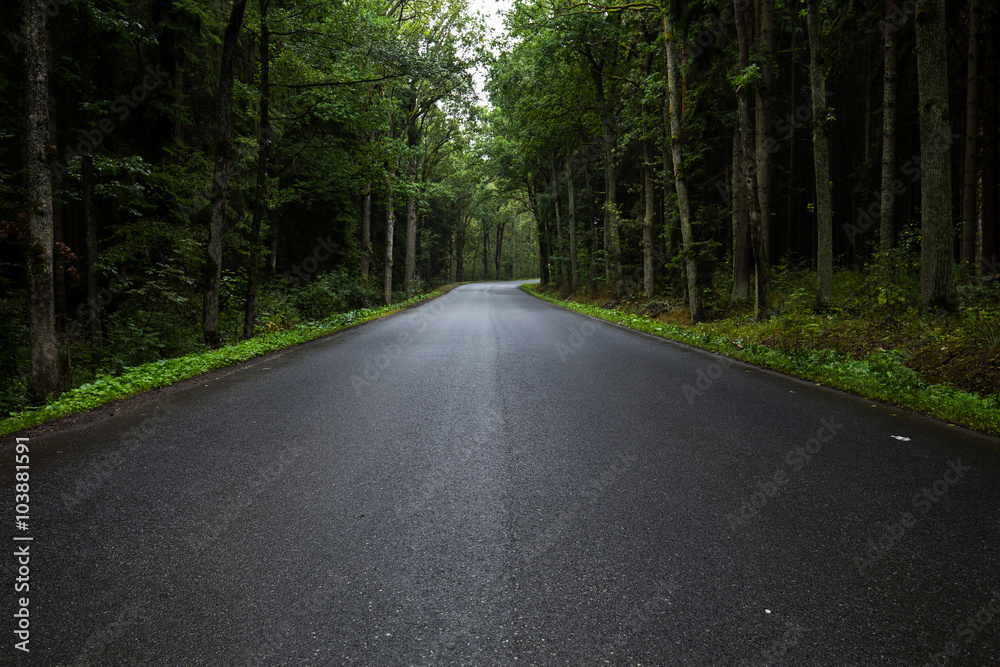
(182, 175)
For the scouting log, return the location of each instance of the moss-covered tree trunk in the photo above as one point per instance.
(680, 179)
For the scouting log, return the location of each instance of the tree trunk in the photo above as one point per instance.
(821, 159)
(220, 175)
(937, 277)
(887, 223)
(498, 248)
(411, 230)
(90, 231)
(594, 245)
(366, 230)
(680, 179)
(260, 190)
(574, 269)
(560, 255)
(38, 253)
(765, 140)
(649, 179)
(991, 93)
(970, 217)
(762, 292)
(390, 226)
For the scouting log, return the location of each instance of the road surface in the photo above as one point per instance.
(488, 479)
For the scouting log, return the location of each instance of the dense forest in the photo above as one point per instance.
(181, 174)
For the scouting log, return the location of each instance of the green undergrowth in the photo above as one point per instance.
(108, 388)
(880, 375)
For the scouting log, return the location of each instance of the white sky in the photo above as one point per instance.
(493, 11)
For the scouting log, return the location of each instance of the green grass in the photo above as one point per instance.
(880, 375)
(107, 389)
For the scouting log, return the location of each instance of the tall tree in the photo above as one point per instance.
(39, 249)
(765, 134)
(745, 82)
(888, 210)
(220, 174)
(260, 190)
(821, 159)
(937, 277)
(970, 209)
(680, 179)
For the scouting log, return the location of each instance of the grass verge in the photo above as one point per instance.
(107, 389)
(880, 376)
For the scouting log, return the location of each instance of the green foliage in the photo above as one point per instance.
(334, 292)
(106, 388)
(881, 375)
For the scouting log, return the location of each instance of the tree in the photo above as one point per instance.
(680, 180)
(937, 277)
(821, 160)
(220, 174)
(38, 252)
(888, 203)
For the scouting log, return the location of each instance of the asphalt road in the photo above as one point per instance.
(491, 480)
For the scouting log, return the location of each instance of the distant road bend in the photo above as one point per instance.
(488, 479)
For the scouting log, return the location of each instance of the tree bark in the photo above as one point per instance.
(390, 226)
(411, 230)
(937, 277)
(220, 175)
(887, 221)
(680, 180)
(765, 140)
(560, 255)
(821, 159)
(366, 230)
(90, 231)
(574, 269)
(260, 190)
(970, 209)
(649, 218)
(762, 292)
(38, 253)
(594, 245)
(991, 206)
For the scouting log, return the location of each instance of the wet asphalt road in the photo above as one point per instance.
(490, 480)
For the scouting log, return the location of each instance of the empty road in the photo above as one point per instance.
(488, 479)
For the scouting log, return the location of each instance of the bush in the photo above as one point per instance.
(334, 292)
